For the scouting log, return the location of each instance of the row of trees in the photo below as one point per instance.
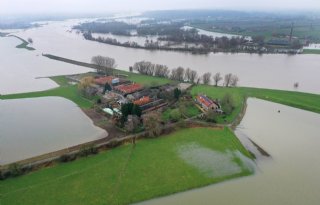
(182, 74)
(105, 65)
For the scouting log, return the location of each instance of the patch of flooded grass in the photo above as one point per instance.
(214, 164)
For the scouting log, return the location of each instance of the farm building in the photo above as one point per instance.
(128, 88)
(142, 101)
(111, 80)
(207, 103)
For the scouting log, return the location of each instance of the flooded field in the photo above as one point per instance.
(214, 164)
(31, 127)
(288, 176)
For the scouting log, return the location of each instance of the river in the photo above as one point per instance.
(276, 71)
(290, 176)
(31, 127)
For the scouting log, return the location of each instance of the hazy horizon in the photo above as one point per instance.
(21, 7)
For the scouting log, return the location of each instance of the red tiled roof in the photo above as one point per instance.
(205, 100)
(104, 80)
(142, 101)
(129, 88)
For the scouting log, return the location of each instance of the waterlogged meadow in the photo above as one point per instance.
(214, 164)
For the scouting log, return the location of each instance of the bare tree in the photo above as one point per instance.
(144, 67)
(206, 78)
(227, 79)
(234, 80)
(216, 78)
(193, 76)
(161, 70)
(190, 75)
(177, 74)
(198, 80)
(105, 65)
(99, 61)
(187, 74)
(110, 63)
(30, 40)
(152, 123)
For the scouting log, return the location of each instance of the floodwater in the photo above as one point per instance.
(20, 68)
(31, 127)
(315, 46)
(276, 71)
(140, 40)
(211, 33)
(289, 177)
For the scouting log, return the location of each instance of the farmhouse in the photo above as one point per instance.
(206, 103)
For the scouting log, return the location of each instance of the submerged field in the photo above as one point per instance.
(183, 160)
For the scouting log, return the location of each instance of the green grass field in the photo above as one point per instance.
(144, 79)
(127, 174)
(306, 101)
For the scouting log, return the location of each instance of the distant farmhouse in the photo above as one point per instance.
(208, 104)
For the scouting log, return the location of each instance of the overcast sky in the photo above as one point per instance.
(91, 6)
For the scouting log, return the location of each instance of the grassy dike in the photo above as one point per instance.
(24, 44)
(127, 174)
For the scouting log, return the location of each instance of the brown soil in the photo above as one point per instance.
(100, 120)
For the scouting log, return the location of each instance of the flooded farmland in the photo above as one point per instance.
(288, 176)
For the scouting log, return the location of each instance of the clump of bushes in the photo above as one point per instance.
(175, 115)
(15, 170)
(87, 150)
(67, 157)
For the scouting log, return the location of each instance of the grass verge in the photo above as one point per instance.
(126, 174)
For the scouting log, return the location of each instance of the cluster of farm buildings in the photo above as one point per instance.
(114, 91)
